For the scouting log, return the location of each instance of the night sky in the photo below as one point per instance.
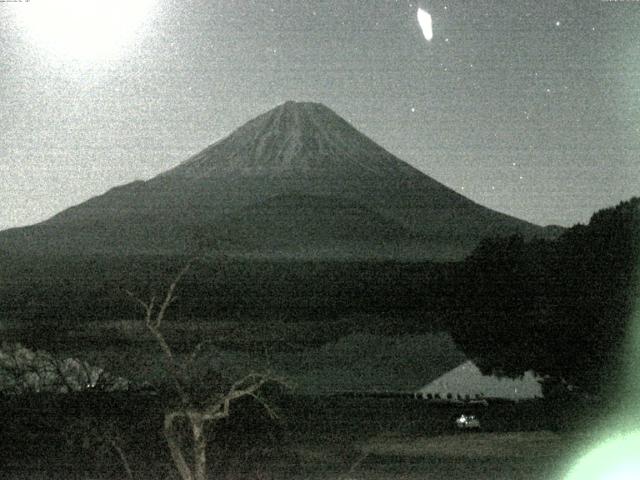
(528, 107)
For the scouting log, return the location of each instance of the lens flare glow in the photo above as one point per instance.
(424, 19)
(83, 29)
(616, 459)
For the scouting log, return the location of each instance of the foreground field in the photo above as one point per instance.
(74, 437)
(534, 445)
(93, 435)
(525, 455)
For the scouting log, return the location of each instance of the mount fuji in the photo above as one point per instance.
(295, 182)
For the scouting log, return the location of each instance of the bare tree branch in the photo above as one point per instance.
(123, 458)
(153, 325)
(174, 445)
(349, 476)
(169, 297)
(194, 354)
(137, 300)
(216, 408)
(270, 411)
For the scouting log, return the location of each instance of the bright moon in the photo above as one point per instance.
(424, 19)
(83, 29)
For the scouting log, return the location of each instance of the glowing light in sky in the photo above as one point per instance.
(424, 19)
(616, 459)
(83, 29)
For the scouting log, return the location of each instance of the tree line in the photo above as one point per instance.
(562, 308)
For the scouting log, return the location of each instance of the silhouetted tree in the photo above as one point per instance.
(197, 408)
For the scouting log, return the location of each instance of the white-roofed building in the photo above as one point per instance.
(466, 382)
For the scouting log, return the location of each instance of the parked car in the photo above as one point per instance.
(466, 422)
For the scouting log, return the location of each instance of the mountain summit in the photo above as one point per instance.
(293, 139)
(297, 181)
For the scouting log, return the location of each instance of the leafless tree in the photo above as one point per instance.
(197, 414)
